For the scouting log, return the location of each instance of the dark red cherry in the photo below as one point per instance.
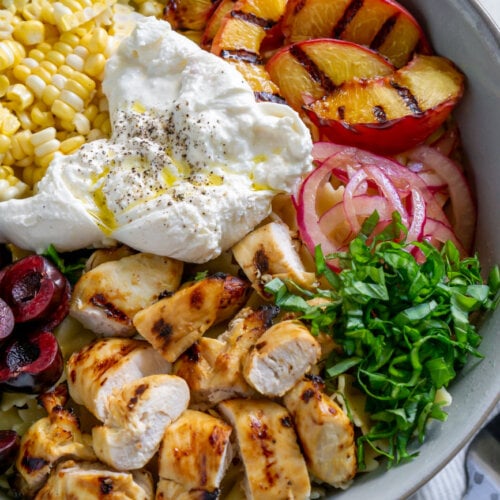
(30, 362)
(35, 290)
(9, 446)
(6, 320)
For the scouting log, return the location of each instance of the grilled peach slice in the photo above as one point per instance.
(215, 21)
(240, 37)
(189, 14)
(382, 25)
(306, 71)
(393, 113)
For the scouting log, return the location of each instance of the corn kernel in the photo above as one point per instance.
(81, 51)
(82, 124)
(46, 148)
(67, 125)
(50, 94)
(29, 32)
(94, 65)
(75, 87)
(44, 47)
(98, 41)
(21, 72)
(25, 162)
(49, 66)
(24, 141)
(75, 62)
(47, 134)
(73, 5)
(94, 134)
(62, 110)
(66, 71)
(11, 52)
(43, 162)
(59, 81)
(42, 73)
(10, 124)
(36, 85)
(41, 116)
(56, 57)
(84, 81)
(8, 159)
(37, 55)
(4, 143)
(70, 38)
(30, 62)
(20, 96)
(100, 119)
(91, 112)
(24, 119)
(4, 84)
(71, 99)
(63, 48)
(71, 144)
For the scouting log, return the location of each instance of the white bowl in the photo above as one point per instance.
(462, 31)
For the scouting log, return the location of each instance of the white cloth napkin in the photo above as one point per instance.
(451, 482)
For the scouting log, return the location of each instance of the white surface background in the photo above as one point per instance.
(493, 8)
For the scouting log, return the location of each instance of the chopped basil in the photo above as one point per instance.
(403, 325)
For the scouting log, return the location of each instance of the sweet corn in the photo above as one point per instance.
(94, 65)
(11, 52)
(29, 32)
(4, 85)
(47, 134)
(71, 144)
(52, 59)
(10, 185)
(20, 96)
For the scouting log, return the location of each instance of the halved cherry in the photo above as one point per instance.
(30, 362)
(36, 290)
(7, 320)
(9, 445)
(390, 114)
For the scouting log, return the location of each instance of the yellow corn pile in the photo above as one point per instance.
(52, 59)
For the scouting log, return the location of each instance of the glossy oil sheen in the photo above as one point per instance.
(461, 31)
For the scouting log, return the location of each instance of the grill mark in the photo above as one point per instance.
(349, 13)
(241, 55)
(312, 69)
(409, 99)
(379, 113)
(110, 310)
(383, 32)
(300, 5)
(250, 18)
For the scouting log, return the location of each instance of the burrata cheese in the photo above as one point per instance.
(192, 164)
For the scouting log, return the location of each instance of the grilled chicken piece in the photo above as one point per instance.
(49, 440)
(170, 490)
(281, 357)
(175, 323)
(274, 465)
(194, 454)
(92, 480)
(268, 252)
(325, 432)
(138, 415)
(98, 369)
(103, 255)
(106, 298)
(213, 368)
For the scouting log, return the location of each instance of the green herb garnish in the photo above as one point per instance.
(72, 270)
(403, 326)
